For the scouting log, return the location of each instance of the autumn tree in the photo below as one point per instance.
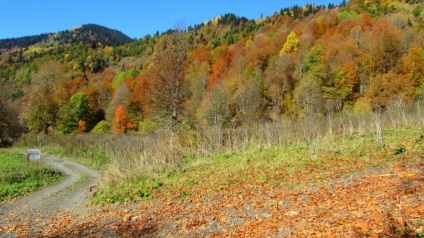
(97, 96)
(46, 96)
(221, 63)
(291, 45)
(138, 106)
(200, 55)
(82, 127)
(413, 65)
(386, 48)
(326, 21)
(345, 89)
(120, 97)
(121, 123)
(214, 109)
(259, 52)
(198, 71)
(279, 85)
(308, 100)
(197, 76)
(384, 88)
(169, 90)
(10, 127)
(366, 21)
(248, 101)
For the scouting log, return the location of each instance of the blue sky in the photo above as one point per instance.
(136, 18)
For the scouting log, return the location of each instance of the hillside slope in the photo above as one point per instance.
(299, 63)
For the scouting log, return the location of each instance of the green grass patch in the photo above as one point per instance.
(125, 192)
(17, 180)
(124, 75)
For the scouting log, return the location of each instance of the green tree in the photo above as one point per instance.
(314, 62)
(72, 112)
(417, 10)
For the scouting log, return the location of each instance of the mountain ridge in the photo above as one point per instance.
(81, 34)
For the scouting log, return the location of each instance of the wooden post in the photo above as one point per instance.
(39, 162)
(27, 160)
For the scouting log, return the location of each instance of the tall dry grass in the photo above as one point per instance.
(126, 157)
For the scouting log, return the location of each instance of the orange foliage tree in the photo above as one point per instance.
(220, 66)
(201, 54)
(385, 88)
(121, 123)
(82, 127)
(413, 65)
(139, 100)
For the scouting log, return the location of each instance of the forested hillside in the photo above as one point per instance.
(301, 62)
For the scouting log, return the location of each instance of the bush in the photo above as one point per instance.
(101, 127)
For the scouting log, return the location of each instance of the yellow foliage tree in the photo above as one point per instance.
(291, 45)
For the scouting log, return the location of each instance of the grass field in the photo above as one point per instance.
(17, 180)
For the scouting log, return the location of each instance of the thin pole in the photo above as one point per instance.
(27, 161)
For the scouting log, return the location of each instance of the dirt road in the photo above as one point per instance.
(67, 198)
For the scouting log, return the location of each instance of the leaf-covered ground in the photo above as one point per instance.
(384, 201)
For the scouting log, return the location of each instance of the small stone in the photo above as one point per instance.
(135, 218)
(291, 213)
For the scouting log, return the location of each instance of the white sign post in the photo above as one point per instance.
(33, 155)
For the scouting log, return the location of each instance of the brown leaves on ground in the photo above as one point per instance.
(385, 201)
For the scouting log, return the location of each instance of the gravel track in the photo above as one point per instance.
(70, 196)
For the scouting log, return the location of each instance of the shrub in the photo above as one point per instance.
(101, 127)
